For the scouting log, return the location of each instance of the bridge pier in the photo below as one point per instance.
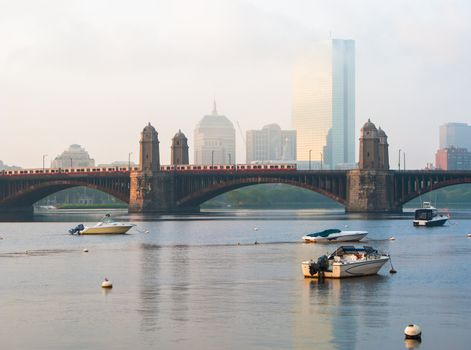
(371, 191)
(155, 193)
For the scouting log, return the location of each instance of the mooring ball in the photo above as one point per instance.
(413, 331)
(106, 284)
(85, 250)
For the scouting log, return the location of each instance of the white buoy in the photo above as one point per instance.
(392, 238)
(255, 228)
(469, 235)
(106, 284)
(85, 250)
(413, 331)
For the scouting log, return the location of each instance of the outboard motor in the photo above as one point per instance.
(323, 263)
(313, 268)
(76, 229)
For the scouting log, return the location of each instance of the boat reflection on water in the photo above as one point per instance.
(337, 313)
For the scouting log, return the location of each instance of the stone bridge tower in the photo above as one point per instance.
(151, 190)
(370, 187)
(179, 149)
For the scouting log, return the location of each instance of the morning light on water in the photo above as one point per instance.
(235, 174)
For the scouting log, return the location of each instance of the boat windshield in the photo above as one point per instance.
(324, 233)
(107, 219)
(350, 249)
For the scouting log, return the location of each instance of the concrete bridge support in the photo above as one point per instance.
(371, 191)
(153, 193)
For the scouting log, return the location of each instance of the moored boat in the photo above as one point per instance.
(106, 226)
(334, 235)
(428, 216)
(346, 261)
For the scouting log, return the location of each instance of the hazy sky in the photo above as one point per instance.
(95, 72)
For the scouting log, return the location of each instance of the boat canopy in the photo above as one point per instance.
(325, 233)
(425, 214)
(107, 219)
(350, 249)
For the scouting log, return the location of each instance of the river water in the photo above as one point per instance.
(200, 282)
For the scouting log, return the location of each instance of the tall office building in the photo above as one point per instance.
(214, 140)
(271, 144)
(456, 135)
(452, 158)
(323, 104)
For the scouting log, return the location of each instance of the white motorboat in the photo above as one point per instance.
(429, 216)
(334, 235)
(106, 226)
(346, 261)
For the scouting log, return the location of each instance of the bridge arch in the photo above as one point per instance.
(196, 198)
(31, 193)
(433, 186)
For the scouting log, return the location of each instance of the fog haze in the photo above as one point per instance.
(95, 72)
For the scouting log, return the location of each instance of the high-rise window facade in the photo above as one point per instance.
(456, 135)
(323, 103)
(271, 144)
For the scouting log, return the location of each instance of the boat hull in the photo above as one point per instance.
(430, 223)
(336, 238)
(116, 230)
(346, 270)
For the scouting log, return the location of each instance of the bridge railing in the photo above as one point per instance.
(55, 171)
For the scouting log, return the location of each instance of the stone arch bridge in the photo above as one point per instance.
(180, 191)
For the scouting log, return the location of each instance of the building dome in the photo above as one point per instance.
(149, 129)
(74, 156)
(214, 120)
(381, 133)
(149, 133)
(369, 126)
(179, 135)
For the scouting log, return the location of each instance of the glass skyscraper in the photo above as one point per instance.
(323, 104)
(455, 135)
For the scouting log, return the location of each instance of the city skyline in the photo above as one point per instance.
(70, 74)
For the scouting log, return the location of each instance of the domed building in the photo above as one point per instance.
(75, 156)
(214, 140)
